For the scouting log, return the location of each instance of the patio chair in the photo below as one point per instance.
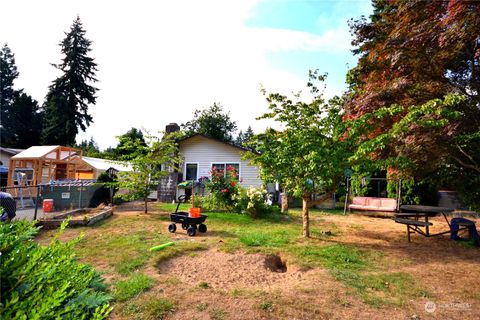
(456, 224)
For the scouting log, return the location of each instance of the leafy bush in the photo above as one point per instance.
(210, 203)
(252, 201)
(46, 282)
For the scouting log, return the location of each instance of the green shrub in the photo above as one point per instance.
(211, 203)
(251, 201)
(46, 282)
(134, 285)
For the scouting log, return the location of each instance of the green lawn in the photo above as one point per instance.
(119, 248)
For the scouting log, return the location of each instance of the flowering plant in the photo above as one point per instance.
(223, 185)
(251, 201)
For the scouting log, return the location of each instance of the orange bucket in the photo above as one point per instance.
(47, 205)
(194, 212)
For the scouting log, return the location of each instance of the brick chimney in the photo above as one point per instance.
(172, 127)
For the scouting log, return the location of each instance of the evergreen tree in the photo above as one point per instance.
(69, 96)
(240, 138)
(20, 115)
(8, 73)
(130, 144)
(212, 122)
(244, 138)
(25, 121)
(89, 148)
(247, 136)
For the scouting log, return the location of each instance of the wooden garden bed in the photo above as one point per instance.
(79, 217)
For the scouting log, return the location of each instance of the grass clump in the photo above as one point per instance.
(131, 287)
(203, 285)
(157, 308)
(470, 243)
(217, 314)
(150, 308)
(201, 307)
(266, 306)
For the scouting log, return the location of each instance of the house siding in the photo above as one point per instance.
(205, 152)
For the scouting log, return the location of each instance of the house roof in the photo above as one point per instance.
(42, 151)
(104, 164)
(11, 150)
(231, 144)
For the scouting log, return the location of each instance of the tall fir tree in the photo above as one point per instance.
(25, 121)
(8, 73)
(247, 136)
(240, 138)
(20, 116)
(244, 137)
(66, 105)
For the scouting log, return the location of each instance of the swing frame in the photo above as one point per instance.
(349, 191)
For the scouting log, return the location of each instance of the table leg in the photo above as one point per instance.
(448, 222)
(408, 233)
(426, 227)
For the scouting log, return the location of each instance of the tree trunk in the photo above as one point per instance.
(306, 222)
(146, 202)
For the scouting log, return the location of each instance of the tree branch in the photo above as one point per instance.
(466, 165)
(466, 155)
(323, 197)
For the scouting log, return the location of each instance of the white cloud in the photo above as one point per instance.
(160, 60)
(332, 40)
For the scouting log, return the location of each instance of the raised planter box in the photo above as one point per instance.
(80, 217)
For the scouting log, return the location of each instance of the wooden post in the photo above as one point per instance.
(11, 170)
(347, 196)
(306, 221)
(193, 195)
(284, 204)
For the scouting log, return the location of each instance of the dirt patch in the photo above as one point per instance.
(227, 271)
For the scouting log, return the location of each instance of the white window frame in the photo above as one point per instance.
(185, 170)
(225, 163)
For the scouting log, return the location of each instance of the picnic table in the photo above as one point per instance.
(415, 217)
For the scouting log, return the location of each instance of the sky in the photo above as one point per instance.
(159, 61)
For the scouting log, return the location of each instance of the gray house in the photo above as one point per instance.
(200, 154)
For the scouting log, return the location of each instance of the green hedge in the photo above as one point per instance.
(46, 282)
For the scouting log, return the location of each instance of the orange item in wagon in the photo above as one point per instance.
(194, 212)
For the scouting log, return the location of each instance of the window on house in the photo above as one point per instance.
(223, 166)
(191, 171)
